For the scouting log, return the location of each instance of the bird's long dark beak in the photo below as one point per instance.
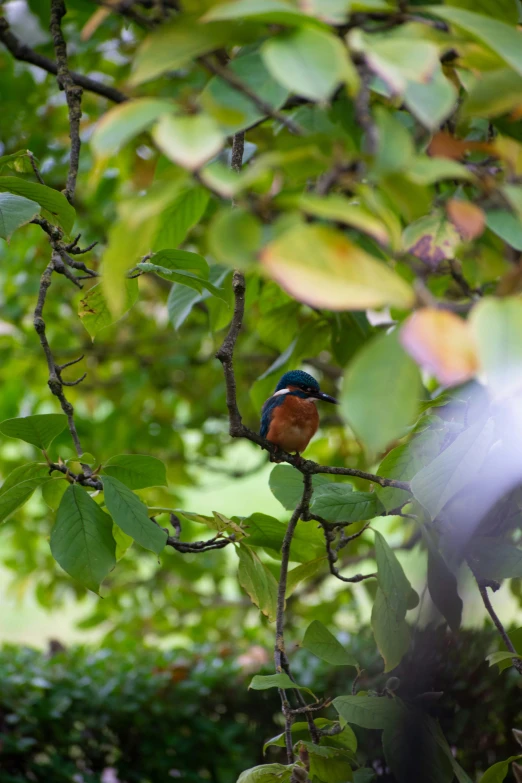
(325, 397)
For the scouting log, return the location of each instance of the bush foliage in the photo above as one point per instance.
(149, 715)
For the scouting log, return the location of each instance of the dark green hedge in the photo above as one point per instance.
(158, 716)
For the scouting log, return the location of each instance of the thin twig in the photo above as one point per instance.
(231, 78)
(73, 94)
(195, 547)
(517, 663)
(35, 167)
(24, 53)
(363, 113)
(331, 552)
(280, 659)
(55, 381)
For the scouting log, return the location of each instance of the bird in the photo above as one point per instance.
(289, 418)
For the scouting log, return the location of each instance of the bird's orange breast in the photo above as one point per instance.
(293, 424)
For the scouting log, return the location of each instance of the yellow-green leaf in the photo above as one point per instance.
(321, 267)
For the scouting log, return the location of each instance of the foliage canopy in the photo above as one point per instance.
(336, 184)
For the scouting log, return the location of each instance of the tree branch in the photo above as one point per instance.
(55, 382)
(73, 94)
(362, 110)
(227, 75)
(24, 53)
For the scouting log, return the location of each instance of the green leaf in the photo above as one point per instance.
(308, 62)
(267, 773)
(132, 236)
(396, 57)
(218, 522)
(443, 588)
(394, 597)
(182, 260)
(431, 102)
(121, 123)
(255, 578)
(395, 148)
(15, 211)
(181, 299)
(454, 468)
(81, 539)
(505, 10)
(38, 430)
(364, 775)
(199, 284)
(341, 210)
(497, 328)
(501, 38)
(498, 772)
(414, 752)
(300, 731)
(500, 657)
(496, 92)
(320, 642)
(174, 45)
(265, 531)
(27, 472)
(392, 579)
(404, 461)
(20, 485)
(286, 484)
(369, 712)
(123, 541)
(188, 141)
(130, 514)
(179, 218)
(272, 11)
(381, 392)
(235, 237)
(338, 503)
(15, 156)
(433, 239)
(513, 193)
(233, 110)
(323, 268)
(495, 558)
(137, 471)
(95, 312)
(329, 763)
(302, 573)
(506, 226)
(53, 492)
(308, 541)
(188, 279)
(281, 680)
(423, 170)
(180, 303)
(390, 630)
(52, 200)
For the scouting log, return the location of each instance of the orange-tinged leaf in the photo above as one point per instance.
(321, 267)
(442, 344)
(468, 218)
(444, 145)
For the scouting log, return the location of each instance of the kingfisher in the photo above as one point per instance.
(289, 418)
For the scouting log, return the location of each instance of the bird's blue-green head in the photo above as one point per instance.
(303, 384)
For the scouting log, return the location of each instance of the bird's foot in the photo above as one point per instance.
(274, 456)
